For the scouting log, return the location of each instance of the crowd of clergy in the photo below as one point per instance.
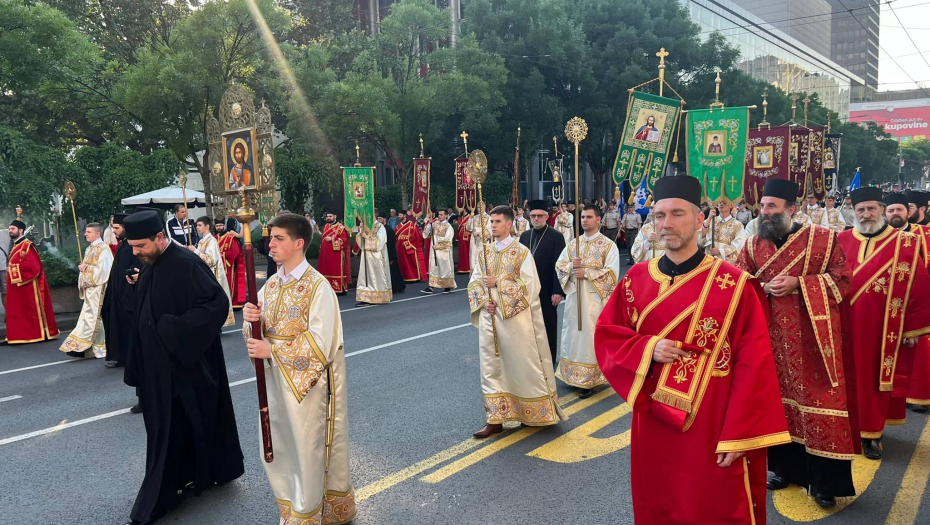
(762, 352)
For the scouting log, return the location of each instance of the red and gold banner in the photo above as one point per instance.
(766, 158)
(420, 186)
(466, 195)
(805, 149)
(815, 172)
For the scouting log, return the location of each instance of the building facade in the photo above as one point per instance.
(855, 28)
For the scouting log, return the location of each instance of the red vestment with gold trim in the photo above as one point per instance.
(463, 237)
(29, 314)
(410, 256)
(715, 312)
(888, 301)
(234, 262)
(334, 263)
(806, 333)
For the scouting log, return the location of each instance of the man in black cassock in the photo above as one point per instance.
(546, 245)
(119, 300)
(397, 280)
(176, 361)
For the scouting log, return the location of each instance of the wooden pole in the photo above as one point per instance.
(182, 178)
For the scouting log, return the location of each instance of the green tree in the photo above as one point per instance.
(916, 156)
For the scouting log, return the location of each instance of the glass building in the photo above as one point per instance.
(769, 54)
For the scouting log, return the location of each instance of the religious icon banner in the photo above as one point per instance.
(766, 158)
(647, 134)
(831, 160)
(466, 195)
(360, 195)
(716, 145)
(420, 186)
(815, 176)
(800, 158)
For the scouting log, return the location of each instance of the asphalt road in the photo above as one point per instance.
(70, 453)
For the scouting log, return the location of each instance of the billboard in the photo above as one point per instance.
(905, 120)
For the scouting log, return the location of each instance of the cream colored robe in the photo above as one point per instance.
(643, 250)
(441, 264)
(306, 385)
(816, 216)
(374, 274)
(565, 224)
(209, 252)
(517, 379)
(729, 237)
(520, 225)
(601, 260)
(835, 219)
(92, 283)
(474, 228)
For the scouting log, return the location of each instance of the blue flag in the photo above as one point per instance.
(640, 197)
(856, 182)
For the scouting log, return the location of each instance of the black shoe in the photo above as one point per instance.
(775, 482)
(79, 355)
(340, 294)
(872, 448)
(136, 409)
(362, 304)
(112, 364)
(447, 290)
(922, 409)
(585, 393)
(824, 501)
(427, 290)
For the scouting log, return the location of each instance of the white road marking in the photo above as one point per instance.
(10, 398)
(38, 366)
(63, 426)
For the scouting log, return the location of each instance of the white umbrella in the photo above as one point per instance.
(166, 198)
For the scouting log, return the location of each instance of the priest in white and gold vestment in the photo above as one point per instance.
(728, 233)
(374, 271)
(441, 264)
(88, 334)
(305, 377)
(591, 276)
(474, 228)
(646, 245)
(208, 249)
(517, 379)
(565, 223)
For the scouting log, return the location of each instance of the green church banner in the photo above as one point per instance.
(716, 141)
(360, 195)
(647, 134)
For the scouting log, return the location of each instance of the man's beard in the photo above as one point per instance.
(897, 222)
(874, 226)
(17, 236)
(120, 238)
(674, 240)
(329, 221)
(774, 227)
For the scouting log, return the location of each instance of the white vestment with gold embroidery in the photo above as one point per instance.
(441, 264)
(600, 259)
(729, 236)
(209, 252)
(306, 384)
(565, 224)
(374, 274)
(92, 283)
(643, 249)
(474, 228)
(517, 378)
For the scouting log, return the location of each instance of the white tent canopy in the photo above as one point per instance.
(166, 197)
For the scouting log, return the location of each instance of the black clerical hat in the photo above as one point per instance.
(118, 217)
(866, 194)
(538, 205)
(680, 187)
(142, 225)
(896, 198)
(918, 198)
(19, 224)
(781, 189)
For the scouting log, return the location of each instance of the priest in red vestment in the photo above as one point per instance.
(410, 256)
(233, 261)
(896, 213)
(683, 339)
(29, 314)
(804, 274)
(885, 312)
(334, 263)
(463, 237)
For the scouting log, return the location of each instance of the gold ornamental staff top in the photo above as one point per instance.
(576, 130)
(70, 193)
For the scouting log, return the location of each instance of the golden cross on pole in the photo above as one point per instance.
(765, 110)
(421, 145)
(716, 103)
(807, 100)
(661, 54)
(794, 106)
(358, 157)
(465, 140)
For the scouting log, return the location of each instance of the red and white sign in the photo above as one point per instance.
(904, 119)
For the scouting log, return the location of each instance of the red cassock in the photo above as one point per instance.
(426, 242)
(553, 215)
(722, 398)
(888, 301)
(410, 252)
(806, 332)
(29, 313)
(113, 248)
(234, 262)
(464, 239)
(334, 262)
(918, 393)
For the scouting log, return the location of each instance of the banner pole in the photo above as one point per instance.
(576, 130)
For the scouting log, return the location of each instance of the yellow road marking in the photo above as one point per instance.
(399, 477)
(907, 502)
(488, 451)
(795, 504)
(578, 445)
